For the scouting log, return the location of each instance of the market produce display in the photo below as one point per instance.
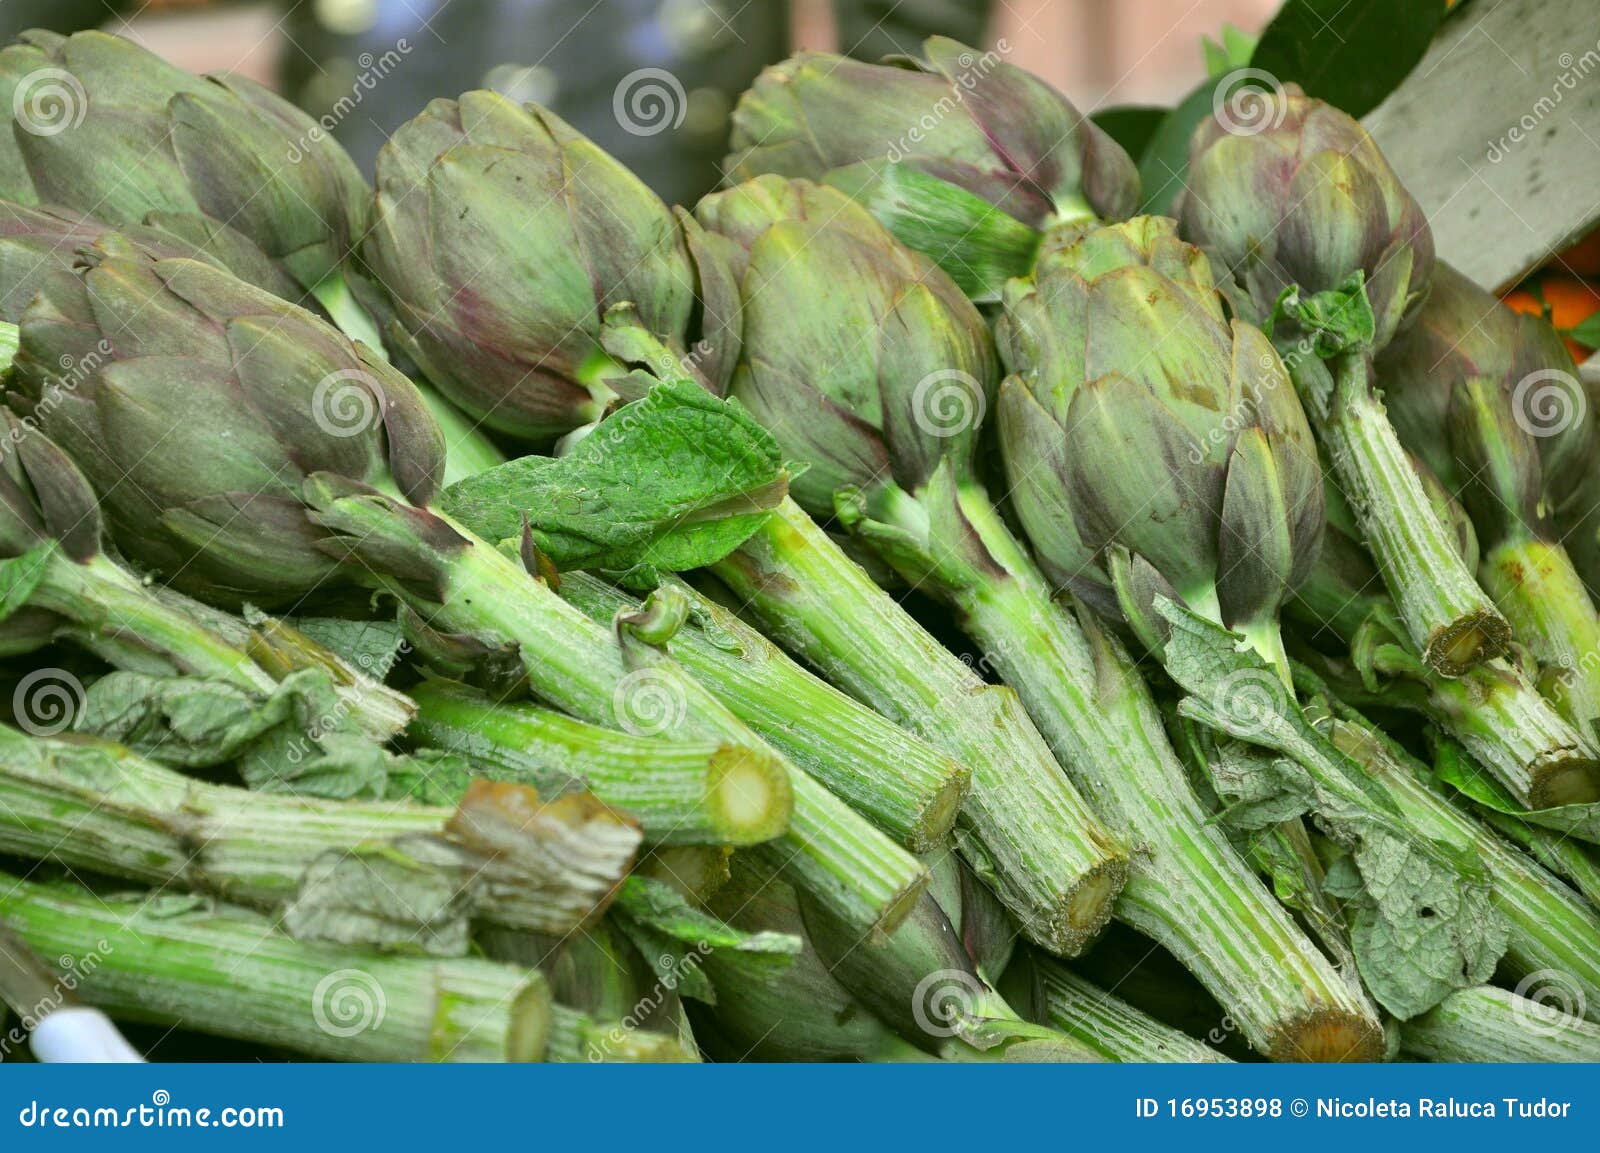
(911, 605)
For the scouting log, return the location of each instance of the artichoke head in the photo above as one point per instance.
(1305, 202)
(101, 125)
(960, 115)
(197, 406)
(1489, 400)
(1151, 444)
(531, 272)
(41, 244)
(865, 360)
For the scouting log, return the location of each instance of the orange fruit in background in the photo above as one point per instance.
(1571, 302)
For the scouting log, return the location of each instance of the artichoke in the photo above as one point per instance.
(58, 572)
(1150, 439)
(871, 367)
(509, 243)
(1329, 253)
(908, 366)
(1304, 205)
(39, 244)
(961, 155)
(1489, 400)
(197, 405)
(139, 141)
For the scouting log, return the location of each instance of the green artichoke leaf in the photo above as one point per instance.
(435, 777)
(674, 936)
(978, 245)
(338, 765)
(1422, 919)
(1417, 934)
(1454, 768)
(300, 738)
(674, 481)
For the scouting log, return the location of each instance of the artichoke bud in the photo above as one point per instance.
(200, 408)
(229, 166)
(1304, 204)
(960, 115)
(505, 237)
(960, 155)
(864, 359)
(1488, 399)
(1177, 435)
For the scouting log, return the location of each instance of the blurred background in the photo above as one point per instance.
(366, 66)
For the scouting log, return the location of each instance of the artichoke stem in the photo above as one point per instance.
(1451, 620)
(232, 974)
(1551, 928)
(1489, 1024)
(1517, 735)
(1187, 886)
(1266, 641)
(342, 307)
(705, 793)
(1022, 826)
(109, 603)
(1536, 586)
(1109, 1024)
(582, 668)
(905, 787)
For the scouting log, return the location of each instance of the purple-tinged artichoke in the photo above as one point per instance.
(1331, 256)
(106, 127)
(961, 155)
(1302, 203)
(507, 239)
(867, 363)
(1489, 400)
(197, 405)
(1150, 440)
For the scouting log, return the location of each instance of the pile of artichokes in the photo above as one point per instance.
(867, 615)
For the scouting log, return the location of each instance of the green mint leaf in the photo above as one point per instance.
(371, 647)
(676, 480)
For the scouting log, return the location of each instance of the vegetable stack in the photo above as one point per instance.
(584, 712)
